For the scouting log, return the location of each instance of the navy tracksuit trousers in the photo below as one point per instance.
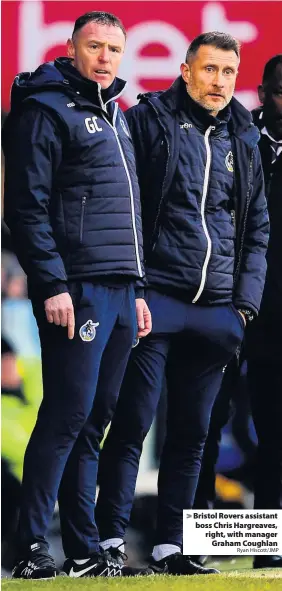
(62, 455)
(233, 394)
(202, 340)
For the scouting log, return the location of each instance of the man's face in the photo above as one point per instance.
(270, 95)
(96, 51)
(210, 77)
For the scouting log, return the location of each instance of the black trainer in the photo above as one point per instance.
(36, 564)
(98, 565)
(127, 571)
(178, 564)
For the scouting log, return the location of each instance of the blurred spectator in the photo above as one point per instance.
(11, 382)
(18, 323)
(13, 276)
(21, 391)
(5, 232)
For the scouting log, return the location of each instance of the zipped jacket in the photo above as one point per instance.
(156, 130)
(71, 190)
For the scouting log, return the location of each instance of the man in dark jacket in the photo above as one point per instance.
(205, 237)
(263, 337)
(72, 205)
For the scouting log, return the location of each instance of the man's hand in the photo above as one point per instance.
(144, 319)
(59, 309)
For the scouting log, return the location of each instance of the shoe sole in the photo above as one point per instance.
(33, 578)
(64, 574)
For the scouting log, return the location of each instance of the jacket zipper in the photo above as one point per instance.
(233, 219)
(104, 105)
(236, 273)
(204, 223)
(83, 202)
(139, 267)
(104, 108)
(155, 233)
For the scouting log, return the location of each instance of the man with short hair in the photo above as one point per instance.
(263, 337)
(72, 205)
(205, 237)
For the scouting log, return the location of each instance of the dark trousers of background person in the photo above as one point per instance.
(264, 350)
(63, 450)
(265, 385)
(10, 500)
(202, 340)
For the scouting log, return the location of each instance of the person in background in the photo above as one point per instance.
(264, 338)
(72, 206)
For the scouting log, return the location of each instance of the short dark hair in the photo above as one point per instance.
(103, 18)
(270, 67)
(216, 39)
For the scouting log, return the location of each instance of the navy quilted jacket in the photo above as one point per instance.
(71, 190)
(219, 254)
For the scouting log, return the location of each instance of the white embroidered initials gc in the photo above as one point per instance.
(92, 125)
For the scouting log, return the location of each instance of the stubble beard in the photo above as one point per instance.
(205, 105)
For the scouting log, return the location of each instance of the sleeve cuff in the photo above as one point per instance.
(140, 292)
(55, 288)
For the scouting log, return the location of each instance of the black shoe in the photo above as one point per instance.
(266, 561)
(200, 559)
(178, 564)
(36, 564)
(97, 565)
(126, 571)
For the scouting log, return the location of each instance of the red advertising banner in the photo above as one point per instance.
(158, 36)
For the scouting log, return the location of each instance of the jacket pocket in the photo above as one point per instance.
(238, 315)
(83, 204)
(156, 239)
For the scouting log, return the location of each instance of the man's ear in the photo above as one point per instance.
(185, 72)
(261, 94)
(70, 48)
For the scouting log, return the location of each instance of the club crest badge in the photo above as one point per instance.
(229, 162)
(87, 331)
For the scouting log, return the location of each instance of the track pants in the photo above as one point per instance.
(61, 458)
(202, 340)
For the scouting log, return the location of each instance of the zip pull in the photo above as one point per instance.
(83, 202)
(233, 218)
(100, 98)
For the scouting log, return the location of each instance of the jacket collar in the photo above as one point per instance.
(200, 116)
(89, 89)
(257, 115)
(240, 121)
